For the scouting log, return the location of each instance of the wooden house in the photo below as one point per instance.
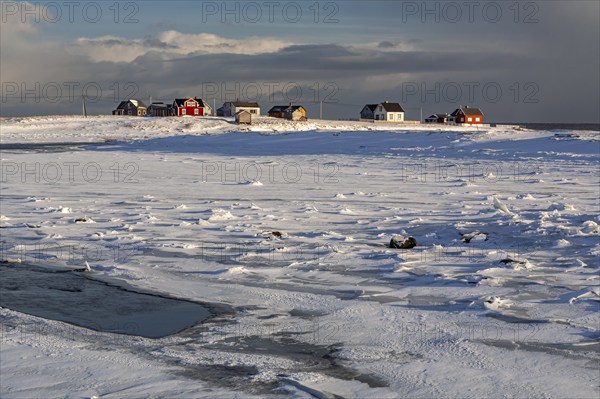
(277, 111)
(387, 111)
(191, 107)
(131, 107)
(231, 108)
(295, 113)
(437, 118)
(368, 111)
(290, 112)
(160, 109)
(467, 115)
(243, 117)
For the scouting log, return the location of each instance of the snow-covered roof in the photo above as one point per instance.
(137, 103)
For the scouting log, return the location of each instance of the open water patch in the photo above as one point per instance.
(76, 298)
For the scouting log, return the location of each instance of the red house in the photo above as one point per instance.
(468, 115)
(189, 107)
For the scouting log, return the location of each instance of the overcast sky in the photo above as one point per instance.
(518, 61)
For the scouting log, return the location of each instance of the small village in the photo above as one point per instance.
(244, 111)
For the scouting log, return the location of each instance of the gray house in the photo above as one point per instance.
(160, 109)
(231, 108)
(368, 112)
(437, 118)
(131, 107)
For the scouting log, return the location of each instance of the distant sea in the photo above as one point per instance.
(595, 127)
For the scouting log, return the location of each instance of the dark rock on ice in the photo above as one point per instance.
(476, 235)
(400, 242)
(509, 260)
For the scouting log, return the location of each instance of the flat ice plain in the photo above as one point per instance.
(280, 230)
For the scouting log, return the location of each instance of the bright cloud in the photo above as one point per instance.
(119, 49)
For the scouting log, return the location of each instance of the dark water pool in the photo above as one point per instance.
(75, 298)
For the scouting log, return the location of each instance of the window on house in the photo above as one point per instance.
(470, 119)
(196, 111)
(391, 117)
(183, 112)
(478, 119)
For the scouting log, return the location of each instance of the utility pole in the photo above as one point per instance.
(321, 112)
(421, 120)
(214, 107)
(83, 103)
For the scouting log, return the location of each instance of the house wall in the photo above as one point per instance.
(161, 111)
(297, 115)
(366, 113)
(243, 118)
(389, 116)
(190, 107)
(379, 113)
(190, 111)
(228, 109)
(471, 119)
(252, 110)
(398, 116)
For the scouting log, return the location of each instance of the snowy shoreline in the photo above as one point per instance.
(107, 128)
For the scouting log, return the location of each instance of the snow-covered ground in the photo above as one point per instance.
(288, 224)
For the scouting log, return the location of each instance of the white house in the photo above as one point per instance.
(231, 108)
(387, 111)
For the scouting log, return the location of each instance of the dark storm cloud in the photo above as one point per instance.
(335, 61)
(386, 45)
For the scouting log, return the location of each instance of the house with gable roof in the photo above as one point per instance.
(466, 115)
(131, 107)
(384, 111)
